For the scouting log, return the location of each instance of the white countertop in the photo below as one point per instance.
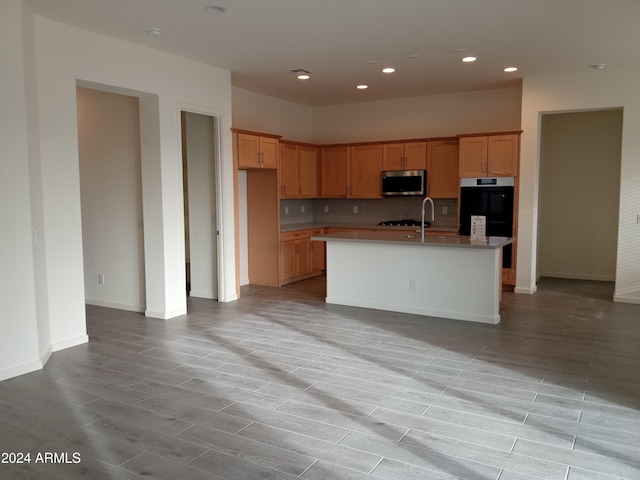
(399, 238)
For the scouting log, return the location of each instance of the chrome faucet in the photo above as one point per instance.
(433, 215)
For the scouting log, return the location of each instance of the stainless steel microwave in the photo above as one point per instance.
(404, 182)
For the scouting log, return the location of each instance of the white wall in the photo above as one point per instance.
(419, 117)
(20, 349)
(111, 193)
(163, 82)
(575, 92)
(44, 285)
(261, 113)
(200, 155)
(579, 194)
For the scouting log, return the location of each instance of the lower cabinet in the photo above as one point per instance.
(318, 252)
(300, 257)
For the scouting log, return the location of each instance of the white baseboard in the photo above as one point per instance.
(20, 370)
(630, 296)
(44, 358)
(165, 315)
(526, 291)
(119, 306)
(202, 294)
(72, 342)
(579, 276)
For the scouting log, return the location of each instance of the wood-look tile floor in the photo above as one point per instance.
(279, 385)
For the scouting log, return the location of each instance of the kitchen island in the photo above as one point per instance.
(441, 276)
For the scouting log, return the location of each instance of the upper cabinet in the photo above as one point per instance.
(334, 172)
(288, 171)
(442, 168)
(404, 156)
(351, 172)
(489, 155)
(308, 171)
(366, 165)
(298, 172)
(257, 151)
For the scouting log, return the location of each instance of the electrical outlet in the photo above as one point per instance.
(412, 285)
(326, 209)
(355, 209)
(100, 279)
(301, 208)
(286, 210)
(445, 210)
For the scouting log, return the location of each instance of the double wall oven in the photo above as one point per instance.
(492, 198)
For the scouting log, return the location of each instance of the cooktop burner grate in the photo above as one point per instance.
(403, 223)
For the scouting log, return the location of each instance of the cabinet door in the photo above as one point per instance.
(269, 151)
(415, 154)
(303, 256)
(393, 156)
(334, 174)
(503, 153)
(288, 171)
(248, 151)
(473, 157)
(442, 169)
(309, 172)
(287, 259)
(366, 165)
(318, 255)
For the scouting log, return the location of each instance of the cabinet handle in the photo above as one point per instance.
(261, 159)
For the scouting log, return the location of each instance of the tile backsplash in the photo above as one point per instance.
(366, 211)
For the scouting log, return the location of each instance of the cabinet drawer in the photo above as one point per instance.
(295, 235)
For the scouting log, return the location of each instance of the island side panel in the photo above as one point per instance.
(457, 283)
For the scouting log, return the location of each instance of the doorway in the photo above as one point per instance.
(579, 192)
(111, 199)
(199, 147)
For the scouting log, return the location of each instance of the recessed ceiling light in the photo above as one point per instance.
(469, 59)
(373, 62)
(388, 70)
(362, 87)
(304, 76)
(597, 66)
(511, 69)
(414, 55)
(154, 32)
(214, 9)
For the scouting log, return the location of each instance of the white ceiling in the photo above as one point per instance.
(260, 40)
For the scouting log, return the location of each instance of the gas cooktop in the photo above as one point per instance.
(403, 223)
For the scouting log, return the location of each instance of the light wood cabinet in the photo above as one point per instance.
(318, 251)
(257, 151)
(404, 156)
(289, 171)
(365, 168)
(489, 155)
(308, 172)
(298, 171)
(334, 172)
(442, 169)
(503, 155)
(295, 254)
